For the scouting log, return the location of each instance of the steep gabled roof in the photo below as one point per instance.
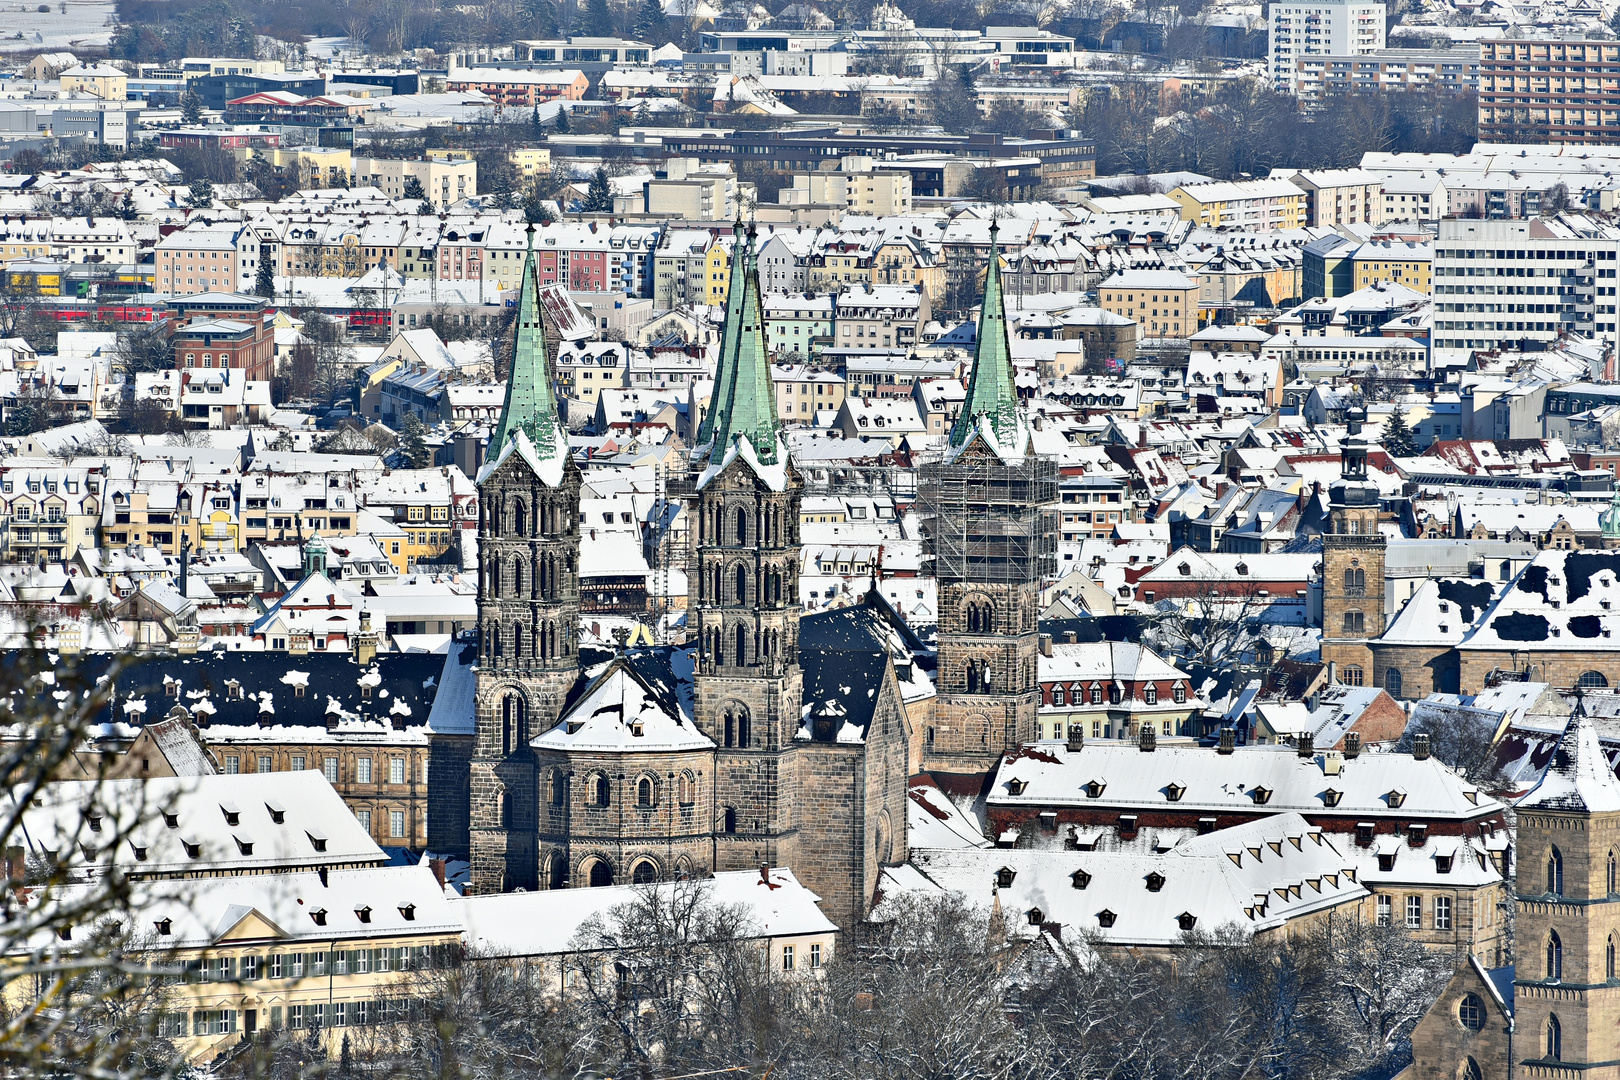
(531, 399)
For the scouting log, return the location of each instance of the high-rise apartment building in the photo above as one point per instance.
(1505, 283)
(1549, 91)
(1321, 28)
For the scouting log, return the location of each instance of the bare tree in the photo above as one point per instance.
(1209, 624)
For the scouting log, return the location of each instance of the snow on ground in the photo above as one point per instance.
(24, 28)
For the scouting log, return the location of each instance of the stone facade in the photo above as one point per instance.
(1468, 1033)
(528, 658)
(1352, 571)
(1539, 664)
(1421, 669)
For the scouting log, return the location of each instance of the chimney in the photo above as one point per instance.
(1077, 739)
(1148, 741)
(1046, 644)
(1333, 672)
(1420, 747)
(437, 866)
(1306, 744)
(1352, 744)
(1228, 741)
(1070, 637)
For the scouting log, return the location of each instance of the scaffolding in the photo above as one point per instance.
(990, 522)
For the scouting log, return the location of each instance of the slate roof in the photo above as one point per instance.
(332, 682)
(1579, 779)
(1564, 600)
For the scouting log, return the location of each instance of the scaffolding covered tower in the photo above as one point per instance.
(989, 521)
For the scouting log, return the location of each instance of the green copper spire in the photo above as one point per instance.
(531, 399)
(745, 403)
(726, 366)
(991, 393)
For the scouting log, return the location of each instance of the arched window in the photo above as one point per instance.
(1555, 872)
(506, 810)
(559, 788)
(557, 873)
(517, 640)
(973, 677)
(729, 824)
(1592, 680)
(731, 729)
(601, 874)
(519, 525)
(1470, 1070)
(1354, 622)
(1555, 1039)
(1614, 872)
(517, 577)
(688, 789)
(602, 794)
(1355, 578)
(1555, 955)
(742, 646)
(644, 792)
(1608, 959)
(742, 527)
(1392, 681)
(744, 734)
(514, 727)
(1471, 1012)
(742, 584)
(645, 873)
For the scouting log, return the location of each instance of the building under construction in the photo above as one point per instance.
(990, 522)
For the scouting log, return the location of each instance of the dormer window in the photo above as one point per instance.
(94, 821)
(278, 814)
(319, 916)
(1417, 834)
(363, 913)
(1442, 864)
(1080, 879)
(192, 850)
(1174, 792)
(407, 912)
(1262, 795)
(140, 852)
(171, 819)
(1386, 861)
(1186, 920)
(1395, 798)
(1004, 877)
(165, 927)
(1331, 797)
(1105, 918)
(1094, 789)
(243, 845)
(233, 816)
(1016, 786)
(1035, 916)
(317, 842)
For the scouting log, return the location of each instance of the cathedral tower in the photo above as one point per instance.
(746, 590)
(1566, 986)
(1353, 568)
(528, 603)
(987, 505)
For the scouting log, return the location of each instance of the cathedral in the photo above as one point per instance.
(771, 736)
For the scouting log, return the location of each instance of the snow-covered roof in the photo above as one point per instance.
(622, 712)
(1579, 778)
(545, 923)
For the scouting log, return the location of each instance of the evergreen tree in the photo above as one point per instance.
(191, 107)
(202, 192)
(264, 284)
(651, 26)
(599, 197)
(562, 119)
(413, 441)
(1398, 440)
(414, 189)
(534, 123)
(126, 209)
(597, 20)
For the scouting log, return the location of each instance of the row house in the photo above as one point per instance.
(429, 504)
(880, 316)
(48, 513)
(209, 258)
(1112, 689)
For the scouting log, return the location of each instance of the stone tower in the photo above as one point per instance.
(988, 507)
(528, 604)
(1353, 568)
(746, 591)
(1566, 994)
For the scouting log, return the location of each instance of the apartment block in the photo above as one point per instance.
(1245, 204)
(444, 182)
(1452, 70)
(1502, 283)
(1162, 302)
(1321, 28)
(1549, 91)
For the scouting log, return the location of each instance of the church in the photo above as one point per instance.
(770, 737)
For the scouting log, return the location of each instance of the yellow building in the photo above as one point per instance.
(1402, 263)
(531, 161)
(1245, 204)
(325, 166)
(98, 80)
(717, 274)
(1162, 302)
